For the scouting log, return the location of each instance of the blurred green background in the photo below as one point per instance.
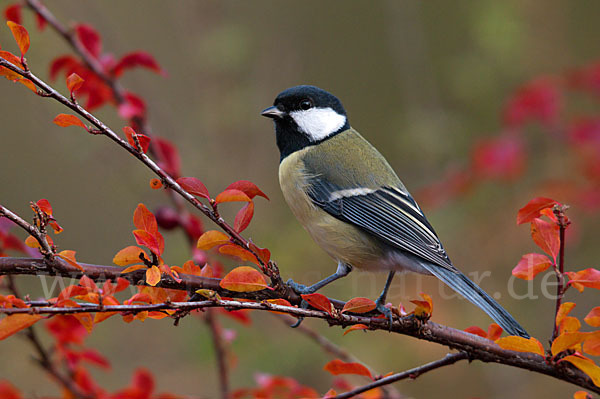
(421, 80)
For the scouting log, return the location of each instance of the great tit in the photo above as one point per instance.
(348, 198)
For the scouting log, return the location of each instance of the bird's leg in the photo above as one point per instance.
(342, 270)
(380, 302)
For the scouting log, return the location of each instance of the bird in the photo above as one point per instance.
(354, 206)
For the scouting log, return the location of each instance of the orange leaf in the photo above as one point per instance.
(64, 120)
(247, 187)
(563, 311)
(593, 318)
(332, 394)
(193, 186)
(244, 279)
(531, 265)
(520, 344)
(232, 195)
(359, 305)
(545, 235)
(74, 82)
(21, 36)
(71, 291)
(356, 327)
(152, 242)
(585, 278)
(86, 320)
(263, 253)
(29, 84)
(584, 364)
(143, 219)
(582, 395)
(533, 209)
(319, 301)
(424, 308)
(133, 268)
(238, 252)
(13, 59)
(153, 276)
(591, 344)
(155, 184)
(129, 255)
(337, 367)
(211, 239)
(69, 257)
(280, 302)
(569, 324)
(243, 217)
(31, 242)
(16, 322)
(568, 340)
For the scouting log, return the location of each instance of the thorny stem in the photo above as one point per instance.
(563, 223)
(449, 359)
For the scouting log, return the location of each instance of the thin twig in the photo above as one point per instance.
(220, 352)
(559, 211)
(31, 229)
(449, 359)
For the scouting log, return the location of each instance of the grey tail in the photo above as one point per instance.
(461, 284)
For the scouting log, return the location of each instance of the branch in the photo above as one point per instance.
(449, 359)
(563, 223)
(478, 348)
(220, 353)
(33, 231)
(270, 269)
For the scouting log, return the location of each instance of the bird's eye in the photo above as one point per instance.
(306, 104)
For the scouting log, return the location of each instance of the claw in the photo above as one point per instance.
(303, 305)
(380, 306)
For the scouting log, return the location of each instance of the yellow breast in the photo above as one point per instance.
(342, 241)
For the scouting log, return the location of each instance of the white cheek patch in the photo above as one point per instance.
(318, 123)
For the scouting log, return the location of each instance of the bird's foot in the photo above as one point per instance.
(387, 312)
(300, 289)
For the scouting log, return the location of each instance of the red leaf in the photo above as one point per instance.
(132, 106)
(244, 279)
(21, 36)
(74, 82)
(15, 323)
(337, 367)
(45, 206)
(71, 291)
(500, 157)
(168, 156)
(531, 265)
(232, 196)
(66, 62)
(94, 357)
(143, 140)
(319, 301)
(193, 186)
(545, 235)
(64, 120)
(136, 59)
(238, 252)
(356, 327)
(359, 305)
(243, 217)
(148, 240)
(13, 59)
(585, 278)
(538, 100)
(249, 188)
(476, 331)
(263, 253)
(13, 13)
(89, 38)
(41, 21)
(143, 219)
(533, 209)
(8, 391)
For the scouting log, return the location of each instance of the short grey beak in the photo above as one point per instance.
(273, 112)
